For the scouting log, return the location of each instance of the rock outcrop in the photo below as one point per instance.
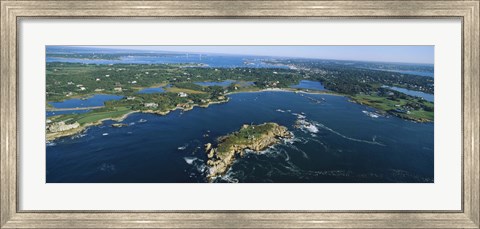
(61, 126)
(118, 125)
(60, 129)
(208, 146)
(253, 137)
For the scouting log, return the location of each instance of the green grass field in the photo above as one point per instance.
(378, 102)
(423, 114)
(93, 116)
(385, 104)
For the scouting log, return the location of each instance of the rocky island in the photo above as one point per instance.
(253, 137)
(343, 116)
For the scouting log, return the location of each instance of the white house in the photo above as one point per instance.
(182, 94)
(151, 105)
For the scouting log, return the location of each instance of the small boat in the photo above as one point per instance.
(142, 120)
(105, 134)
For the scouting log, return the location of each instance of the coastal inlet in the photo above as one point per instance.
(333, 140)
(117, 115)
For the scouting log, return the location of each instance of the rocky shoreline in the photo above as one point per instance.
(60, 129)
(76, 128)
(396, 114)
(190, 107)
(252, 137)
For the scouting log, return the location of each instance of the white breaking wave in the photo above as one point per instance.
(290, 140)
(51, 143)
(190, 160)
(311, 128)
(349, 138)
(228, 177)
(371, 114)
(300, 116)
(307, 126)
(78, 136)
(268, 150)
(182, 147)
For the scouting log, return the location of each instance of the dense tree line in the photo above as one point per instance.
(351, 80)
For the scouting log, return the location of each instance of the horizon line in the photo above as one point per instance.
(113, 47)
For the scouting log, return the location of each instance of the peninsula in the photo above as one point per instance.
(67, 125)
(252, 137)
(182, 91)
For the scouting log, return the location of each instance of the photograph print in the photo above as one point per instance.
(239, 114)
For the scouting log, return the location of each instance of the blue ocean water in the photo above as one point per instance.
(409, 72)
(342, 145)
(224, 83)
(93, 101)
(53, 113)
(429, 74)
(308, 84)
(426, 96)
(152, 90)
(216, 61)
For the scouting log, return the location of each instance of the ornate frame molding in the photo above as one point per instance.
(12, 11)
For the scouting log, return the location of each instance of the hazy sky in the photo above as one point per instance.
(405, 54)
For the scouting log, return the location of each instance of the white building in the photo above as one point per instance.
(151, 105)
(182, 94)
